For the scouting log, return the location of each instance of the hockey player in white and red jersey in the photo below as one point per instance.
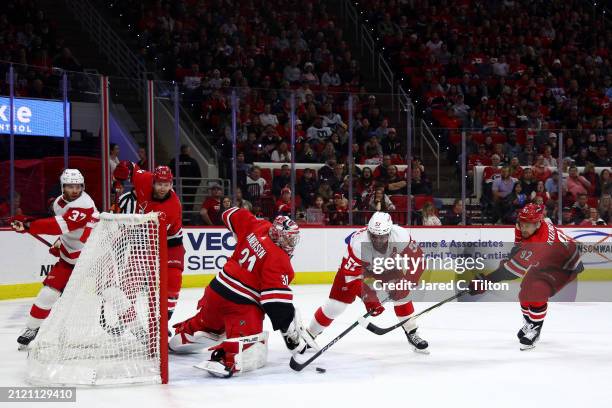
(254, 282)
(75, 216)
(381, 238)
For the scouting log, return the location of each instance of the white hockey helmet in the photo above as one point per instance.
(380, 223)
(72, 176)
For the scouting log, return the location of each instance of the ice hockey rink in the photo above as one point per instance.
(475, 361)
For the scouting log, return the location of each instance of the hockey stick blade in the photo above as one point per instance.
(297, 366)
(384, 330)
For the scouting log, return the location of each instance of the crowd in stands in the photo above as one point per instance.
(515, 76)
(32, 42)
(265, 50)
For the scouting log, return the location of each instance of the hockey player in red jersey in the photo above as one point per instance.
(154, 193)
(381, 238)
(545, 258)
(253, 283)
(75, 216)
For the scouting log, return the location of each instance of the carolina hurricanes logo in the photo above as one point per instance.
(142, 207)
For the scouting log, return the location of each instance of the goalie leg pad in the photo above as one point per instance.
(42, 306)
(186, 343)
(237, 355)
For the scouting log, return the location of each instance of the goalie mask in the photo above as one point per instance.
(285, 233)
(379, 229)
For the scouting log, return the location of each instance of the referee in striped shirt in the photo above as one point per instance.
(127, 202)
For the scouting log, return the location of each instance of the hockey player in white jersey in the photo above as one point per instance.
(381, 238)
(75, 216)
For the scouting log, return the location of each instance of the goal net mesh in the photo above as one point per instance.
(105, 328)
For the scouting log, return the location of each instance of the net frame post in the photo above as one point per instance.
(163, 300)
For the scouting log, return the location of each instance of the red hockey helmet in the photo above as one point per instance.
(531, 213)
(285, 233)
(162, 174)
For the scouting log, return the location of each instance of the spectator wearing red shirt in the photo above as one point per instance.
(283, 204)
(540, 170)
(479, 159)
(516, 170)
(211, 207)
(380, 171)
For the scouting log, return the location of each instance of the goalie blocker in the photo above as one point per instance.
(253, 283)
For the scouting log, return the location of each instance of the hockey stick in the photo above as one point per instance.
(41, 239)
(384, 330)
(297, 366)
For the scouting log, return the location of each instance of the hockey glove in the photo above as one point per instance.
(297, 339)
(20, 226)
(373, 307)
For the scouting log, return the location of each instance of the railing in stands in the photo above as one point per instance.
(109, 42)
(129, 65)
(378, 67)
(428, 138)
(193, 192)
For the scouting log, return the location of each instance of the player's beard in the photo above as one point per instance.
(526, 234)
(379, 242)
(72, 196)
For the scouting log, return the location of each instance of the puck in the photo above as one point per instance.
(320, 370)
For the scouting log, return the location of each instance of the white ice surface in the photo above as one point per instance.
(474, 362)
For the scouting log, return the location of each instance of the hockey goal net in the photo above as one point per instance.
(110, 324)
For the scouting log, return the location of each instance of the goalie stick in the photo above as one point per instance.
(297, 366)
(384, 330)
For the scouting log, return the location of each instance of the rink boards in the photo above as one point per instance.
(25, 261)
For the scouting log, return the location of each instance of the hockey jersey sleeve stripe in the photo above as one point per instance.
(276, 290)
(572, 262)
(349, 279)
(276, 296)
(226, 217)
(62, 224)
(511, 267)
(236, 289)
(179, 234)
(69, 255)
(275, 300)
(230, 280)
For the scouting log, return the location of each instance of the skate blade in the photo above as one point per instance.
(23, 347)
(214, 369)
(525, 347)
(420, 351)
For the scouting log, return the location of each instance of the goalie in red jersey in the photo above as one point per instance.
(254, 282)
(153, 191)
(545, 258)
